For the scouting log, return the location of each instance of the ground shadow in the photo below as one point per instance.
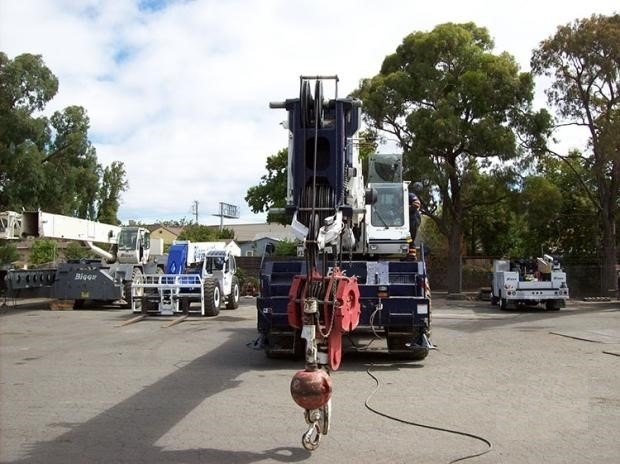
(493, 317)
(127, 432)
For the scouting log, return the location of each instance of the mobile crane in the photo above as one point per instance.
(132, 253)
(359, 275)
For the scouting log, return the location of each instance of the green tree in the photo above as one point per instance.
(541, 213)
(198, 233)
(225, 234)
(540, 206)
(581, 58)
(26, 86)
(456, 109)
(432, 239)
(112, 185)
(70, 166)
(271, 190)
(286, 248)
(48, 163)
(577, 222)
(74, 250)
(491, 225)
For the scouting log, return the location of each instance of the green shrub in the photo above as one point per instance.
(8, 253)
(74, 250)
(43, 251)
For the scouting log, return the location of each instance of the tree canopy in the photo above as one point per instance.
(463, 118)
(46, 162)
(582, 59)
(271, 190)
(201, 233)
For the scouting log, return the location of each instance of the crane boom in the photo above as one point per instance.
(49, 225)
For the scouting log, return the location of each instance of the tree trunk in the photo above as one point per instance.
(609, 206)
(455, 244)
(609, 277)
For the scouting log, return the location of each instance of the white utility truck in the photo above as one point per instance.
(529, 282)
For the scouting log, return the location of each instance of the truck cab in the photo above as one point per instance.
(134, 245)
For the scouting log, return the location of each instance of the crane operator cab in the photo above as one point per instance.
(134, 245)
(388, 210)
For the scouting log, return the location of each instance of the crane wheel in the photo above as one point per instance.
(213, 297)
(399, 346)
(135, 275)
(232, 301)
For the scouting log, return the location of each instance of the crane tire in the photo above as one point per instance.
(213, 297)
(232, 301)
(135, 274)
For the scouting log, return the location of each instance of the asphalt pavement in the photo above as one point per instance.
(79, 387)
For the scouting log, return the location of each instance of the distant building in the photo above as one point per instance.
(168, 234)
(252, 238)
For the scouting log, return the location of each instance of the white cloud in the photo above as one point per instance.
(180, 93)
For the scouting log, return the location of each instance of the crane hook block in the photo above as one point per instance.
(339, 300)
(311, 388)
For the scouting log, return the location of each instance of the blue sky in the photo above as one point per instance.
(179, 90)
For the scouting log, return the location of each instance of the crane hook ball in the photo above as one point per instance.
(311, 388)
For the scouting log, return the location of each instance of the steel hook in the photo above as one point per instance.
(312, 438)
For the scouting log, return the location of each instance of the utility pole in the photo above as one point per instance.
(195, 210)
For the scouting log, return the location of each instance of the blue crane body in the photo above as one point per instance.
(357, 273)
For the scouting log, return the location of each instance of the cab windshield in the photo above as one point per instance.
(388, 210)
(127, 239)
(215, 264)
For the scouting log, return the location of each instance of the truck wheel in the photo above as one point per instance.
(552, 305)
(494, 300)
(184, 304)
(232, 302)
(503, 305)
(213, 297)
(135, 276)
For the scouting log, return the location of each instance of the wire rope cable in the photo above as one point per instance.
(426, 426)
